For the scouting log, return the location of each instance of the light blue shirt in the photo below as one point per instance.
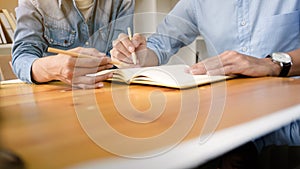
(60, 24)
(252, 27)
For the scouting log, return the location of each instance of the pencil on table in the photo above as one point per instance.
(134, 57)
(74, 54)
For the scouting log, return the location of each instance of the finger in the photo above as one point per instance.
(86, 86)
(216, 72)
(92, 62)
(127, 43)
(228, 70)
(119, 56)
(88, 51)
(138, 40)
(231, 58)
(121, 48)
(124, 66)
(84, 71)
(91, 80)
(197, 69)
(213, 63)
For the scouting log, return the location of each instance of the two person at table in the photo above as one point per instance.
(239, 35)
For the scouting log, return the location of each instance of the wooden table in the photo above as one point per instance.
(52, 126)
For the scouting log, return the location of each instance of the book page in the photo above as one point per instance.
(121, 75)
(166, 75)
(174, 76)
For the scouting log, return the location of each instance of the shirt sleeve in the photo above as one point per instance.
(178, 29)
(28, 40)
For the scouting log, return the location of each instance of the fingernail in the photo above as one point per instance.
(100, 85)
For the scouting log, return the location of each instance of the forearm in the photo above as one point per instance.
(295, 69)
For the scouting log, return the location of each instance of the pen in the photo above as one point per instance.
(73, 54)
(134, 57)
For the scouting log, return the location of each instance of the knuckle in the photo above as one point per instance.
(69, 74)
(94, 50)
(112, 52)
(115, 42)
(121, 35)
(232, 52)
(79, 48)
(137, 34)
(117, 54)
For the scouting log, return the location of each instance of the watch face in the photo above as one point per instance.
(281, 57)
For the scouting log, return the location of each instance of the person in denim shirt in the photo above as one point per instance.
(84, 26)
(239, 34)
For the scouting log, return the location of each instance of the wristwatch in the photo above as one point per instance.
(284, 60)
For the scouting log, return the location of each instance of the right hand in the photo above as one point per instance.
(73, 70)
(123, 49)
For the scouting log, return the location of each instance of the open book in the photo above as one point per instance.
(173, 76)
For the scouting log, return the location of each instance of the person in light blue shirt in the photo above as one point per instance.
(83, 26)
(239, 35)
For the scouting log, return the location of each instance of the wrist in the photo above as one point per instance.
(40, 72)
(149, 59)
(283, 60)
(275, 68)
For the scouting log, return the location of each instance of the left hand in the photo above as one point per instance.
(234, 63)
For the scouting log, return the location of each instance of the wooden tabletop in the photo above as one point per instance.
(53, 126)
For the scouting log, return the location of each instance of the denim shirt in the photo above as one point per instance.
(252, 27)
(60, 24)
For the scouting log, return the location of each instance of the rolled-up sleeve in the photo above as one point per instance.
(28, 40)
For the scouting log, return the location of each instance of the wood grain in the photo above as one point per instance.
(40, 122)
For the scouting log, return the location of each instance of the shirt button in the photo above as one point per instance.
(86, 43)
(244, 49)
(243, 23)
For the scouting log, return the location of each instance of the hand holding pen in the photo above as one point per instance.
(129, 50)
(71, 67)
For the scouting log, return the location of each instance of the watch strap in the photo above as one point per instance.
(285, 67)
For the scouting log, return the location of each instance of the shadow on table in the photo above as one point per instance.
(8, 159)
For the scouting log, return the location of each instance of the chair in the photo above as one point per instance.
(6, 72)
(280, 157)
